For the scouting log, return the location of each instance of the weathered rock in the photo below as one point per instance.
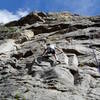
(29, 19)
(7, 46)
(72, 61)
(25, 74)
(78, 50)
(28, 33)
(91, 71)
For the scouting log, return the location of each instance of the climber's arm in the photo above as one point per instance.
(59, 49)
(44, 52)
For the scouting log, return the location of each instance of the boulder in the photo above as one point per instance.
(28, 33)
(94, 72)
(7, 46)
(72, 61)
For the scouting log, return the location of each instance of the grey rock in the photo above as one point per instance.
(7, 46)
(25, 74)
(29, 19)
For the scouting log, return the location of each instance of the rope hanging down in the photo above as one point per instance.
(98, 66)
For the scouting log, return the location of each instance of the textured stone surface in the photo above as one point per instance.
(22, 42)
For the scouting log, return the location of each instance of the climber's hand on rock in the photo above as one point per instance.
(58, 61)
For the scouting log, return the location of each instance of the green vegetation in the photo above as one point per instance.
(81, 65)
(9, 32)
(4, 29)
(18, 97)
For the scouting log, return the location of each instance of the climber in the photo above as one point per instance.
(50, 50)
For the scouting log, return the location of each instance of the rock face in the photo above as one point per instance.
(22, 42)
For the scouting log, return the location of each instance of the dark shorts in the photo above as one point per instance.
(50, 51)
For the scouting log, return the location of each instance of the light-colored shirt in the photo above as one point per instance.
(52, 46)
